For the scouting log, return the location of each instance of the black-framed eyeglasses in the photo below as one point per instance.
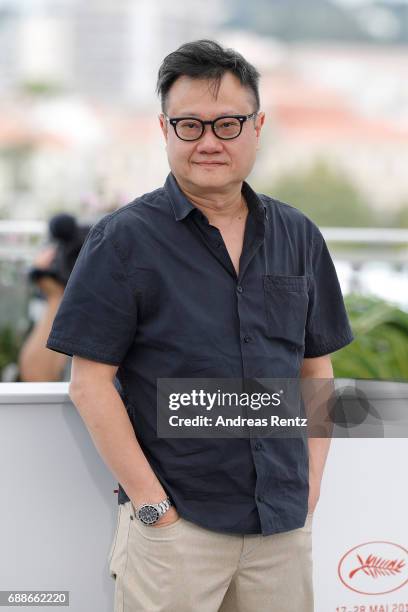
(226, 127)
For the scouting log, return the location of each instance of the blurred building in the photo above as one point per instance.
(71, 70)
(95, 140)
(107, 49)
(118, 46)
(9, 48)
(347, 106)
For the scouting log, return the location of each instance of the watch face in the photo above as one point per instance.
(148, 514)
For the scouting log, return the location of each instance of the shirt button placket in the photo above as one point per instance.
(246, 338)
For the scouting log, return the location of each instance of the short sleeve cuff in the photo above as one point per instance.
(325, 348)
(70, 348)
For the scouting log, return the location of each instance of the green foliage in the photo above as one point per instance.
(40, 88)
(400, 218)
(380, 348)
(9, 346)
(327, 196)
(16, 158)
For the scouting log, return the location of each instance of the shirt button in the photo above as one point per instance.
(260, 498)
(258, 446)
(239, 289)
(247, 339)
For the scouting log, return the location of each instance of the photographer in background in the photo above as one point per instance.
(50, 272)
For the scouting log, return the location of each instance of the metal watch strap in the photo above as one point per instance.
(163, 506)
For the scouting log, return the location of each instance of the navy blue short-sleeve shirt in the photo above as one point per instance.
(154, 292)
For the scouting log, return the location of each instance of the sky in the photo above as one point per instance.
(33, 6)
(29, 4)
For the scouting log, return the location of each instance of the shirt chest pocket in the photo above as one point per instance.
(286, 304)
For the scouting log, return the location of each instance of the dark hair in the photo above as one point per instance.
(205, 59)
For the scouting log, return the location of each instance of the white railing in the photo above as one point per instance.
(366, 235)
(25, 228)
(57, 500)
(334, 234)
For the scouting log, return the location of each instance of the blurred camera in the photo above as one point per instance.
(69, 237)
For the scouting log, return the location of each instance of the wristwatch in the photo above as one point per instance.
(149, 514)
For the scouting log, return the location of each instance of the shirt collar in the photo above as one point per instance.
(182, 206)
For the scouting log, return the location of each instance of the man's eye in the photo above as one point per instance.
(191, 125)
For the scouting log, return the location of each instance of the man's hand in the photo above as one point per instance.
(314, 493)
(37, 363)
(316, 368)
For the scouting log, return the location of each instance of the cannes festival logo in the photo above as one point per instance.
(374, 568)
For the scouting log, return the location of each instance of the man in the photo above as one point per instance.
(49, 273)
(203, 278)
(35, 362)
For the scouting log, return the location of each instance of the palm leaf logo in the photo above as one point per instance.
(377, 566)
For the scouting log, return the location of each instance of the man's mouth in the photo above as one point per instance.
(207, 163)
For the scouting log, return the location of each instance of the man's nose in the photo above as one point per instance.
(209, 143)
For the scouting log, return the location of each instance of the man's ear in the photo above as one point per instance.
(260, 120)
(163, 125)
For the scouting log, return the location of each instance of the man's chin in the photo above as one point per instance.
(208, 179)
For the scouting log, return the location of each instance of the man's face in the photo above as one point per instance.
(211, 164)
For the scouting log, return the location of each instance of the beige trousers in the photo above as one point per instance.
(185, 568)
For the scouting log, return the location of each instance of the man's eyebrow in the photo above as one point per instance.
(221, 114)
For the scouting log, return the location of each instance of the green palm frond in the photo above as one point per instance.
(380, 348)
